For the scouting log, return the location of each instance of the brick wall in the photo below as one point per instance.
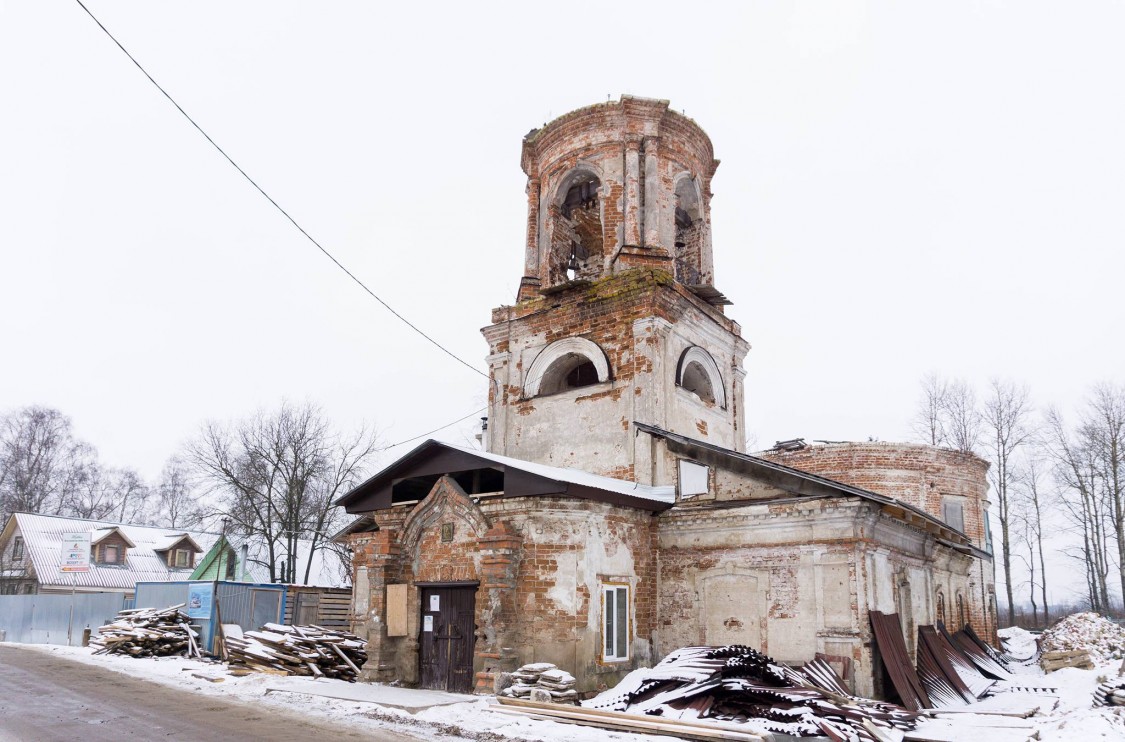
(923, 476)
(539, 562)
(916, 474)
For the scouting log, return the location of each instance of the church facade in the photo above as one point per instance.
(613, 513)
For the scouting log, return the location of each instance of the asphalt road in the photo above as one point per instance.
(45, 698)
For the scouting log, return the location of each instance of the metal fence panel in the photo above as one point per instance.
(161, 595)
(56, 619)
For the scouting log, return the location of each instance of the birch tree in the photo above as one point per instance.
(1006, 413)
(1084, 504)
(41, 462)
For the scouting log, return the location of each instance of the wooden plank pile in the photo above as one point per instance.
(1080, 658)
(148, 632)
(299, 650)
(1111, 693)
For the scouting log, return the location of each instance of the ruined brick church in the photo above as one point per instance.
(613, 514)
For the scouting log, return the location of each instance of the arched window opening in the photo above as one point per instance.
(689, 232)
(571, 363)
(696, 381)
(962, 616)
(572, 371)
(699, 374)
(577, 241)
(941, 608)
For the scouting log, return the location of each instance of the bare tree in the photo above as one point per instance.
(947, 414)
(963, 420)
(1035, 502)
(1083, 503)
(40, 461)
(176, 504)
(278, 475)
(1006, 413)
(1102, 430)
(929, 421)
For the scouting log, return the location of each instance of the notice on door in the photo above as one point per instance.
(435, 602)
(427, 623)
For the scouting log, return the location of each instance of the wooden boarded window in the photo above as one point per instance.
(396, 610)
(615, 623)
(952, 512)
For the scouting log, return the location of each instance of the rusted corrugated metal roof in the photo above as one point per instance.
(892, 650)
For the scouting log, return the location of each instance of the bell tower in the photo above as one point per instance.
(617, 318)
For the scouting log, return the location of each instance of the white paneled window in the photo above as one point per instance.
(693, 478)
(615, 622)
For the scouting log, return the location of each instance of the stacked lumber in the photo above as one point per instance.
(1111, 693)
(1080, 658)
(737, 685)
(148, 632)
(299, 650)
(540, 680)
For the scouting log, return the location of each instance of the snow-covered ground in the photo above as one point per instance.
(1075, 719)
(471, 720)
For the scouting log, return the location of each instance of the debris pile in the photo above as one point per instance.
(148, 632)
(740, 685)
(1101, 638)
(299, 650)
(540, 680)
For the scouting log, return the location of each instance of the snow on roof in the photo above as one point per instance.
(664, 494)
(42, 535)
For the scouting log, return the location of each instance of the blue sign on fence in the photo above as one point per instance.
(199, 600)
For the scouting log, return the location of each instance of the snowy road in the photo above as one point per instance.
(45, 698)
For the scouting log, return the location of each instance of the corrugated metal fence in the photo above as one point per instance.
(246, 604)
(56, 619)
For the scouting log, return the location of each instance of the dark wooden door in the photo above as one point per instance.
(448, 635)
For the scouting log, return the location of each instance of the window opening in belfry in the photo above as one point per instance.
(696, 381)
(572, 371)
(689, 233)
(578, 243)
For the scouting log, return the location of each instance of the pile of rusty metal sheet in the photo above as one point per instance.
(739, 685)
(299, 650)
(896, 658)
(148, 632)
(954, 672)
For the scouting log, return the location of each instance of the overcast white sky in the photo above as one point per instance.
(904, 188)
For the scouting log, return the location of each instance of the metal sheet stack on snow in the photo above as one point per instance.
(148, 632)
(739, 685)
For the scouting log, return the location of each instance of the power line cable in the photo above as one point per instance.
(293, 221)
(431, 432)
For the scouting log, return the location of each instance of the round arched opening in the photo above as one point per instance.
(572, 371)
(571, 363)
(699, 374)
(696, 381)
